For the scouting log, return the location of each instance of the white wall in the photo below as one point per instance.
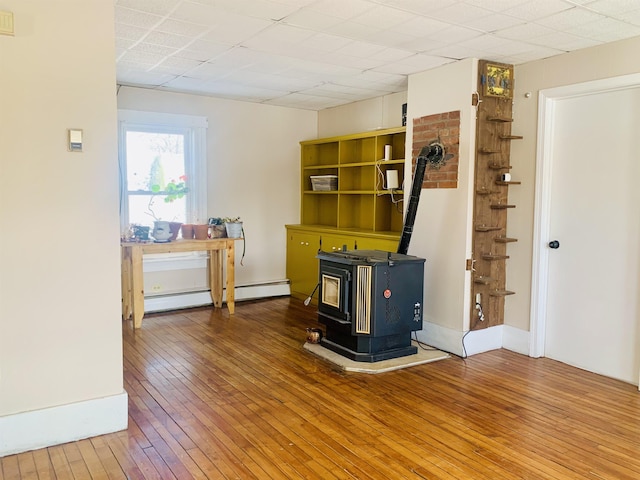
(253, 171)
(60, 321)
(442, 233)
(372, 114)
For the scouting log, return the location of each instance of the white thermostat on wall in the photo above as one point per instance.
(75, 140)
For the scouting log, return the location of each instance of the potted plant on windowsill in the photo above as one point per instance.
(233, 226)
(217, 228)
(165, 231)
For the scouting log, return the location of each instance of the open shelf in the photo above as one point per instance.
(501, 293)
(504, 240)
(500, 206)
(483, 280)
(500, 119)
(487, 228)
(511, 137)
(491, 257)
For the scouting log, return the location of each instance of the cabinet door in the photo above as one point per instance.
(302, 264)
(377, 244)
(332, 243)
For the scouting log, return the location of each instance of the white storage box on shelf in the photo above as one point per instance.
(324, 183)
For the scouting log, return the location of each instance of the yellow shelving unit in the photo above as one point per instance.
(361, 213)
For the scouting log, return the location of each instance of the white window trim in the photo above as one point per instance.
(197, 172)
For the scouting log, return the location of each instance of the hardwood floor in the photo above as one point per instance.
(239, 398)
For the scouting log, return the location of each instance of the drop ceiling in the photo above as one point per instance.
(315, 54)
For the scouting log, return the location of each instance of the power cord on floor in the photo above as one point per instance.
(423, 345)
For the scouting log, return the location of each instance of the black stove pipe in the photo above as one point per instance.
(432, 153)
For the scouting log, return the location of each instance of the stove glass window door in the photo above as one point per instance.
(331, 291)
(335, 292)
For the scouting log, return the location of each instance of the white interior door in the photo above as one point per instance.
(592, 312)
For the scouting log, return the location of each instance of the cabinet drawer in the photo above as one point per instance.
(332, 243)
(377, 244)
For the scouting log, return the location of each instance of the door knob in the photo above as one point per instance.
(554, 244)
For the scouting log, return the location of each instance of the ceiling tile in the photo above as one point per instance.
(142, 58)
(525, 31)
(322, 42)
(300, 100)
(129, 32)
(537, 9)
(130, 77)
(382, 17)
(563, 41)
(420, 6)
(569, 19)
(420, 26)
(277, 36)
(158, 7)
(264, 9)
(127, 16)
(605, 30)
(160, 50)
(614, 7)
(167, 39)
(460, 13)
(458, 52)
(340, 8)
(307, 18)
(632, 17)
(350, 29)
(494, 22)
(498, 6)
(178, 27)
(202, 51)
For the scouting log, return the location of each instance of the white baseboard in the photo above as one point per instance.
(26, 431)
(516, 340)
(484, 340)
(477, 341)
(198, 299)
(440, 337)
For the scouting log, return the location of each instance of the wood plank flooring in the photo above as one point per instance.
(219, 397)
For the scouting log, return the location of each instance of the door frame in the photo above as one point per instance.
(542, 214)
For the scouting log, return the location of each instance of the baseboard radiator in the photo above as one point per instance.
(176, 301)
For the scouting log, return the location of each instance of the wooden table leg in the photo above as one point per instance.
(231, 269)
(137, 287)
(126, 282)
(215, 276)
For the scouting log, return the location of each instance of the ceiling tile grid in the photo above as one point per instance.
(315, 54)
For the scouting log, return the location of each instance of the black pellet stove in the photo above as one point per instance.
(370, 301)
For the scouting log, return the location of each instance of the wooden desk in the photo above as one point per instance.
(133, 283)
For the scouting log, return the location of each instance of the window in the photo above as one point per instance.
(162, 168)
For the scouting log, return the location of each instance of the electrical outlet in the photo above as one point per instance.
(156, 288)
